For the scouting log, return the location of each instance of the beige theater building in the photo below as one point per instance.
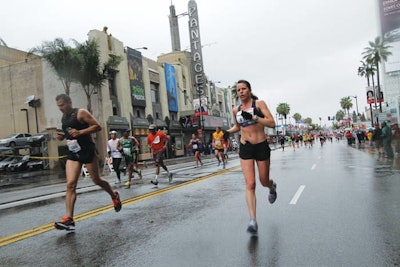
(134, 97)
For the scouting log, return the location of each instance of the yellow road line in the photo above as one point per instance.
(50, 226)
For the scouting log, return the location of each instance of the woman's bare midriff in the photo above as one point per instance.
(253, 134)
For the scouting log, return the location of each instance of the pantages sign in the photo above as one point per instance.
(195, 48)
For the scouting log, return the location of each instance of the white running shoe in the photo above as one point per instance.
(252, 228)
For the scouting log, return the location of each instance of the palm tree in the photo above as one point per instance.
(92, 74)
(283, 109)
(346, 104)
(376, 53)
(308, 120)
(340, 115)
(297, 117)
(367, 69)
(62, 58)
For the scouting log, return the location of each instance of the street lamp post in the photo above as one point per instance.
(27, 118)
(35, 103)
(358, 114)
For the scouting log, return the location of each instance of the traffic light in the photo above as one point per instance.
(329, 118)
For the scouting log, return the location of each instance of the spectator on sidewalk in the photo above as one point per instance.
(378, 139)
(369, 137)
(387, 140)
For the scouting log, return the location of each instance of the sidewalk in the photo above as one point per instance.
(365, 147)
(55, 187)
(28, 180)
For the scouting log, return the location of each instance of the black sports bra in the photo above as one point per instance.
(243, 120)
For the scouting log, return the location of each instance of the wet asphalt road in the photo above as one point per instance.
(346, 213)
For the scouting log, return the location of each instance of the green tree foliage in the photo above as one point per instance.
(340, 115)
(308, 120)
(62, 58)
(283, 109)
(377, 52)
(346, 104)
(297, 117)
(80, 64)
(367, 70)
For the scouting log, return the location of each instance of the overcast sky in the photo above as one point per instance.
(305, 53)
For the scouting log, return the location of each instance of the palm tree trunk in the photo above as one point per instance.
(379, 86)
(376, 107)
(370, 105)
(89, 102)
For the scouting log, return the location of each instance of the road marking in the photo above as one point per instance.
(297, 195)
(314, 166)
(50, 226)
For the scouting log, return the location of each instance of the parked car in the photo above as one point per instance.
(18, 139)
(35, 164)
(37, 139)
(19, 164)
(5, 162)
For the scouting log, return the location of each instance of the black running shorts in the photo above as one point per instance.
(85, 155)
(260, 151)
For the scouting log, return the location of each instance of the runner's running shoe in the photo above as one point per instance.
(252, 227)
(155, 182)
(272, 194)
(117, 202)
(66, 223)
(170, 177)
(128, 185)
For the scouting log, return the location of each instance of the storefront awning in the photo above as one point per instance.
(186, 113)
(175, 125)
(160, 123)
(116, 122)
(140, 123)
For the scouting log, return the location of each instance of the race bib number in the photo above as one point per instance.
(195, 146)
(127, 151)
(73, 146)
(156, 140)
(218, 143)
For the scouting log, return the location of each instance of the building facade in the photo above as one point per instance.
(141, 91)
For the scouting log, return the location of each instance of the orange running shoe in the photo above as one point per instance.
(66, 223)
(117, 202)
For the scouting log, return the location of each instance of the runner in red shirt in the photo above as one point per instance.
(158, 143)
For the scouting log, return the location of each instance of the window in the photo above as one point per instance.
(138, 113)
(155, 96)
(111, 85)
(185, 97)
